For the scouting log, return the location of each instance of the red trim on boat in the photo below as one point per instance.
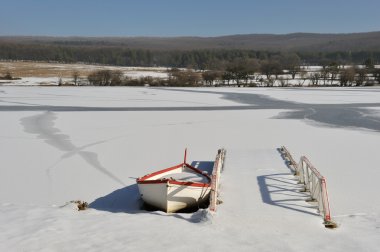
(157, 173)
(156, 181)
(188, 183)
(145, 179)
(174, 182)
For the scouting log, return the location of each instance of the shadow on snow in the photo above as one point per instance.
(281, 191)
(128, 200)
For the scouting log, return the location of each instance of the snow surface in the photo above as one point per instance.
(51, 156)
(54, 81)
(33, 81)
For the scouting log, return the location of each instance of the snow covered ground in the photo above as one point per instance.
(90, 143)
(33, 81)
(50, 74)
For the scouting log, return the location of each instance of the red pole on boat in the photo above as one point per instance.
(184, 159)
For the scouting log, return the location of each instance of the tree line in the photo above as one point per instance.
(250, 72)
(203, 59)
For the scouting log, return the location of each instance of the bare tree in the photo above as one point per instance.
(185, 78)
(333, 71)
(347, 76)
(60, 81)
(324, 74)
(172, 72)
(292, 63)
(252, 66)
(361, 76)
(7, 76)
(210, 76)
(376, 75)
(100, 78)
(271, 67)
(226, 76)
(193, 78)
(116, 78)
(261, 80)
(314, 78)
(270, 81)
(75, 75)
(303, 77)
(238, 70)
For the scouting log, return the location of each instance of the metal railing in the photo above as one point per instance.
(314, 183)
(290, 161)
(215, 178)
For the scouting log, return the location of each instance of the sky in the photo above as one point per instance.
(185, 17)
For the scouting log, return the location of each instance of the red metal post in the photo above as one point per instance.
(184, 159)
(326, 204)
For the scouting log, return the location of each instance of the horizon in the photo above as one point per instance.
(187, 36)
(171, 18)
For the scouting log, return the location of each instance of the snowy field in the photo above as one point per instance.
(90, 143)
(42, 73)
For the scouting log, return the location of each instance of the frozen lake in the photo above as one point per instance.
(91, 143)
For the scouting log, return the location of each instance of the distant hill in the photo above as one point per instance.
(196, 52)
(369, 41)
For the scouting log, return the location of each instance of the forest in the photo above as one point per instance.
(195, 52)
(197, 59)
(222, 60)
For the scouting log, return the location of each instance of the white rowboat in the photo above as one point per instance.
(175, 188)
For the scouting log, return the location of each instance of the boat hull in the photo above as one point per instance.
(171, 197)
(175, 188)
